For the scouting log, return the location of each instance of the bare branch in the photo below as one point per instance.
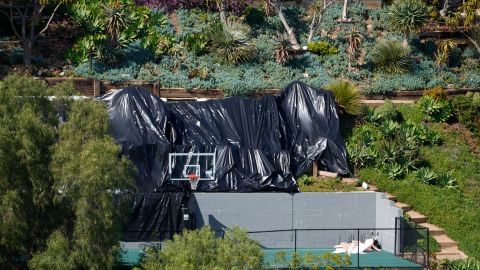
(48, 23)
(12, 22)
(473, 41)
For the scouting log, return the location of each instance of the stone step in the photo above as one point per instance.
(403, 206)
(417, 217)
(327, 174)
(350, 181)
(379, 102)
(451, 253)
(391, 197)
(444, 241)
(433, 230)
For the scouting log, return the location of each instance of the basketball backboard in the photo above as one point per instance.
(184, 166)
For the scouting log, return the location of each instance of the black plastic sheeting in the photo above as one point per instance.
(260, 144)
(155, 216)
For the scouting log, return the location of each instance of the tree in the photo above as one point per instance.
(27, 132)
(90, 175)
(61, 186)
(345, 11)
(466, 19)
(317, 9)
(30, 15)
(278, 7)
(407, 16)
(202, 250)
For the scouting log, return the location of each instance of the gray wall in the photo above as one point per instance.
(310, 210)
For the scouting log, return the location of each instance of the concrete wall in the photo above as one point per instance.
(310, 210)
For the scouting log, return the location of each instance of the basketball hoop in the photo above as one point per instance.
(194, 179)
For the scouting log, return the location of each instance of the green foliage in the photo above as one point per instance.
(407, 15)
(197, 43)
(309, 261)
(305, 180)
(394, 170)
(435, 110)
(56, 256)
(65, 216)
(386, 112)
(426, 176)
(322, 48)
(468, 264)
(391, 57)
(201, 249)
(453, 210)
(113, 25)
(28, 123)
(467, 111)
(346, 96)
(231, 43)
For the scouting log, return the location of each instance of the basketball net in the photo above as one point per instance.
(194, 179)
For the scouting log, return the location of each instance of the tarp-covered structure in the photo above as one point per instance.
(260, 144)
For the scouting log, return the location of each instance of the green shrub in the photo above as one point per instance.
(389, 128)
(254, 16)
(231, 43)
(197, 43)
(322, 48)
(201, 249)
(468, 264)
(467, 111)
(435, 110)
(446, 180)
(407, 16)
(346, 96)
(388, 111)
(391, 57)
(305, 180)
(426, 176)
(394, 171)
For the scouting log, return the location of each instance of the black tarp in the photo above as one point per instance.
(155, 216)
(260, 144)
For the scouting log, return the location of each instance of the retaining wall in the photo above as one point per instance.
(310, 210)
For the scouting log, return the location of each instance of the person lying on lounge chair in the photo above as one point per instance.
(357, 247)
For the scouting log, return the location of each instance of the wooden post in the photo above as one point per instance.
(315, 169)
(155, 89)
(96, 88)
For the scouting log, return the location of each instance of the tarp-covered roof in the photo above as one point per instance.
(260, 144)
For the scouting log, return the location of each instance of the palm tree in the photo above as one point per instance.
(407, 16)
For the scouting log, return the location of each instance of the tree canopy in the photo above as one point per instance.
(62, 184)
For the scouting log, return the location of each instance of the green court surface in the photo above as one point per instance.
(369, 259)
(372, 259)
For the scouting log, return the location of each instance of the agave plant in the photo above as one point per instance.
(426, 176)
(391, 57)
(282, 47)
(469, 264)
(347, 96)
(231, 42)
(435, 110)
(371, 116)
(446, 180)
(394, 170)
(407, 16)
(389, 128)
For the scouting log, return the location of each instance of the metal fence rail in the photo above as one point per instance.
(406, 240)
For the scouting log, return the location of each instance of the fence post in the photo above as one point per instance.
(428, 248)
(358, 249)
(295, 248)
(395, 239)
(96, 88)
